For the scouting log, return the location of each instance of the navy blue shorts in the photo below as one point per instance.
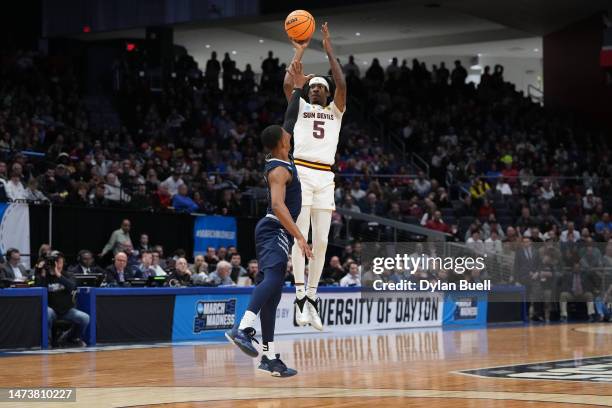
(273, 245)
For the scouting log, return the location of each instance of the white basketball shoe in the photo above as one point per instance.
(301, 311)
(312, 309)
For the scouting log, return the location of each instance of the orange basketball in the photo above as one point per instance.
(300, 25)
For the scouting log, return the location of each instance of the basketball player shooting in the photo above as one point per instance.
(315, 142)
(274, 235)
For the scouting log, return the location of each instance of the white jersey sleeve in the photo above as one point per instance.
(317, 132)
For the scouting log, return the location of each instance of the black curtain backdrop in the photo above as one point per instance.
(20, 322)
(77, 228)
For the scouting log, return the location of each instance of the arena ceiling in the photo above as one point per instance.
(500, 28)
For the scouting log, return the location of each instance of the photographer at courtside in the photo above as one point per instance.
(50, 274)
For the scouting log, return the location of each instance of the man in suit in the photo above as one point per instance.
(528, 272)
(578, 285)
(13, 270)
(85, 265)
(118, 273)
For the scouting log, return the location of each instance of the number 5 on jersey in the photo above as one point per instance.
(318, 131)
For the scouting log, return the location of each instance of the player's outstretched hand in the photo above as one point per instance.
(325, 31)
(296, 70)
(305, 248)
(300, 45)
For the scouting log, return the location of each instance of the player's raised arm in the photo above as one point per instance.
(297, 80)
(299, 52)
(336, 69)
(278, 178)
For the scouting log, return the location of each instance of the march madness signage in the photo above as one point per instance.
(348, 311)
(214, 315)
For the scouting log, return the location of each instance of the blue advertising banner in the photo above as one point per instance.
(465, 309)
(198, 317)
(213, 230)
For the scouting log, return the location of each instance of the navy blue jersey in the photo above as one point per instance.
(293, 193)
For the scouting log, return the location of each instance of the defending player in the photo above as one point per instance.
(315, 142)
(274, 236)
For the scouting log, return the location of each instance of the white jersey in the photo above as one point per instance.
(316, 132)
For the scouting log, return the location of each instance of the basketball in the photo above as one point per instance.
(300, 25)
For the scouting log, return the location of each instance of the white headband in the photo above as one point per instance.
(320, 81)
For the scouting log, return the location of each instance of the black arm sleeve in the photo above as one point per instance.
(293, 108)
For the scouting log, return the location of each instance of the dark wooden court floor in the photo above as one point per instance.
(416, 368)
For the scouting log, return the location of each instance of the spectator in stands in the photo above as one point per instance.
(237, 270)
(436, 223)
(221, 276)
(459, 75)
(33, 193)
(118, 273)
(479, 190)
(421, 185)
(333, 272)
(252, 270)
(475, 243)
(13, 270)
(118, 239)
(156, 263)
(14, 188)
(85, 264)
(162, 199)
(351, 69)
(570, 234)
(603, 224)
(182, 202)
(372, 206)
(493, 244)
(181, 274)
(173, 182)
(199, 265)
(145, 268)
(143, 243)
(61, 288)
(352, 277)
(578, 285)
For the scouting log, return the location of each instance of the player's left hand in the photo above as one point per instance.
(325, 31)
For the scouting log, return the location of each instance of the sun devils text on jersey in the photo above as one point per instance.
(316, 133)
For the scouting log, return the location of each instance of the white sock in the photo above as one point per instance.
(299, 291)
(311, 292)
(248, 320)
(268, 350)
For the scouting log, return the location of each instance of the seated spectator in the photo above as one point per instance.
(371, 205)
(503, 187)
(252, 271)
(14, 188)
(143, 243)
(145, 268)
(422, 186)
(570, 234)
(437, 224)
(85, 264)
(475, 243)
(173, 182)
(352, 277)
(162, 199)
(334, 271)
(199, 265)
(603, 224)
(157, 263)
(237, 270)
(118, 274)
(479, 189)
(221, 276)
(61, 289)
(578, 285)
(181, 274)
(493, 244)
(182, 202)
(13, 269)
(211, 258)
(33, 193)
(486, 209)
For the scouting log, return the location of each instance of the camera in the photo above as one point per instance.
(50, 260)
